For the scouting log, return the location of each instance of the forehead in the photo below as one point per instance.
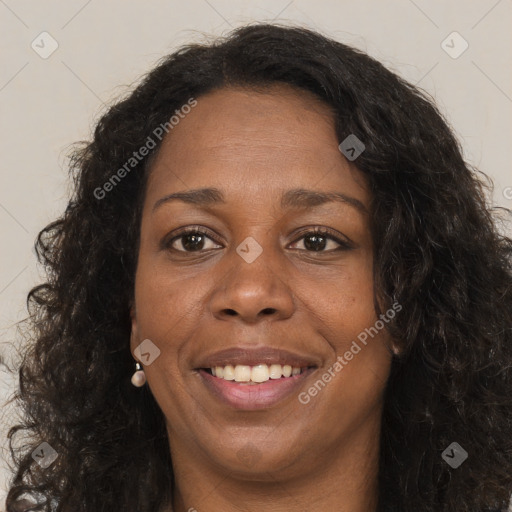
(248, 142)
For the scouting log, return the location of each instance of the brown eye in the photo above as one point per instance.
(190, 240)
(318, 240)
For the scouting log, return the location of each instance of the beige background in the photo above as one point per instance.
(104, 46)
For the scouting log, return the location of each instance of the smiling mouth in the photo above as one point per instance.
(246, 394)
(256, 374)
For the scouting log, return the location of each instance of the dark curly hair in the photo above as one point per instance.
(438, 251)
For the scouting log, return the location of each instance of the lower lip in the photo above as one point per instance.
(241, 395)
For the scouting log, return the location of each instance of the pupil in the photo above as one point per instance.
(196, 239)
(312, 245)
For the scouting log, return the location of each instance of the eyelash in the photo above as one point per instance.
(199, 230)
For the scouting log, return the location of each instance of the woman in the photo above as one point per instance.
(277, 286)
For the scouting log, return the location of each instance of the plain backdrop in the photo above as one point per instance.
(459, 51)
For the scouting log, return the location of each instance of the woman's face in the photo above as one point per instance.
(256, 286)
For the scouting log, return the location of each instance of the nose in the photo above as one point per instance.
(252, 292)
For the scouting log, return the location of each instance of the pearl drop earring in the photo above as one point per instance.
(139, 377)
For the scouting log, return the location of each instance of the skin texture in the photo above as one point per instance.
(253, 146)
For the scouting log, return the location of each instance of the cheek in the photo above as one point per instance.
(348, 320)
(356, 375)
(167, 310)
(162, 292)
(344, 305)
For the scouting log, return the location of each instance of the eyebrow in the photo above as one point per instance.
(295, 198)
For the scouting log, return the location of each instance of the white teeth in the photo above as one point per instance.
(229, 372)
(242, 373)
(275, 371)
(258, 373)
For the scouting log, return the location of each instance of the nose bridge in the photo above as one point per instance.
(259, 263)
(254, 284)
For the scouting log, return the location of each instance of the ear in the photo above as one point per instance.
(134, 336)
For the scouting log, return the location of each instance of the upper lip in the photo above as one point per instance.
(253, 356)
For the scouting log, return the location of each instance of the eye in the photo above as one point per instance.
(192, 239)
(316, 240)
